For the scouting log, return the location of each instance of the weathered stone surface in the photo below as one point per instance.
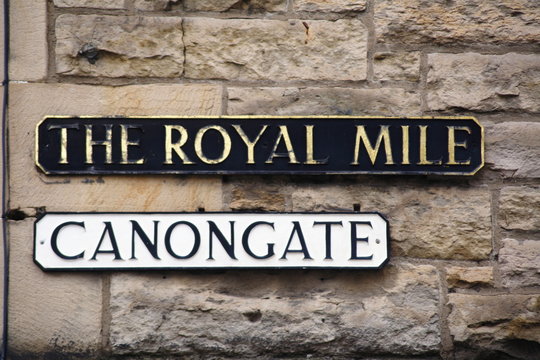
(484, 82)
(330, 5)
(257, 314)
(224, 5)
(28, 40)
(393, 66)
(156, 5)
(117, 46)
(323, 101)
(467, 277)
(251, 196)
(461, 21)
(49, 312)
(514, 147)
(519, 208)
(275, 50)
(98, 4)
(434, 222)
(520, 263)
(29, 187)
(497, 326)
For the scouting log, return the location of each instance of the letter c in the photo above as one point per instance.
(54, 240)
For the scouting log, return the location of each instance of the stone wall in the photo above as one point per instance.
(463, 281)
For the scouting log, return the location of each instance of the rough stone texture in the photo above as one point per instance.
(322, 101)
(519, 208)
(394, 66)
(251, 196)
(471, 81)
(270, 315)
(495, 326)
(514, 148)
(29, 187)
(49, 312)
(224, 5)
(330, 5)
(98, 4)
(429, 222)
(461, 21)
(275, 50)
(520, 263)
(468, 277)
(117, 46)
(28, 40)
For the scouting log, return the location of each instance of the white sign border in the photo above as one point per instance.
(220, 268)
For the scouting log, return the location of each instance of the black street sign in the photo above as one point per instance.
(259, 145)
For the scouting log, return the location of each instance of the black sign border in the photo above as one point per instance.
(153, 269)
(257, 172)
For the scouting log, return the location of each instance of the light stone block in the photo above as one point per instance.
(509, 82)
(338, 6)
(470, 22)
(322, 101)
(28, 40)
(426, 222)
(49, 312)
(224, 5)
(469, 277)
(396, 66)
(520, 262)
(514, 148)
(253, 49)
(519, 208)
(504, 325)
(29, 103)
(97, 4)
(265, 315)
(119, 46)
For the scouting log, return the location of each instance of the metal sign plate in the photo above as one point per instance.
(98, 241)
(259, 145)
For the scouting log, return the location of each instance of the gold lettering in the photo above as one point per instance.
(125, 143)
(91, 143)
(309, 148)
(405, 145)
(63, 140)
(423, 148)
(177, 146)
(452, 144)
(361, 136)
(250, 144)
(283, 134)
(226, 144)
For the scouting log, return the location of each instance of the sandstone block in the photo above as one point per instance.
(467, 277)
(520, 263)
(49, 312)
(509, 22)
(514, 147)
(29, 103)
(394, 66)
(338, 6)
(28, 40)
(432, 222)
(505, 326)
(323, 101)
(251, 196)
(224, 5)
(519, 208)
(119, 46)
(97, 4)
(260, 315)
(471, 81)
(241, 49)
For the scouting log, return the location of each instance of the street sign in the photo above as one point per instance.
(259, 145)
(98, 241)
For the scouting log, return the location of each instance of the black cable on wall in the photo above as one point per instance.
(5, 84)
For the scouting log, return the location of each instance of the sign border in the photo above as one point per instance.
(206, 269)
(254, 172)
